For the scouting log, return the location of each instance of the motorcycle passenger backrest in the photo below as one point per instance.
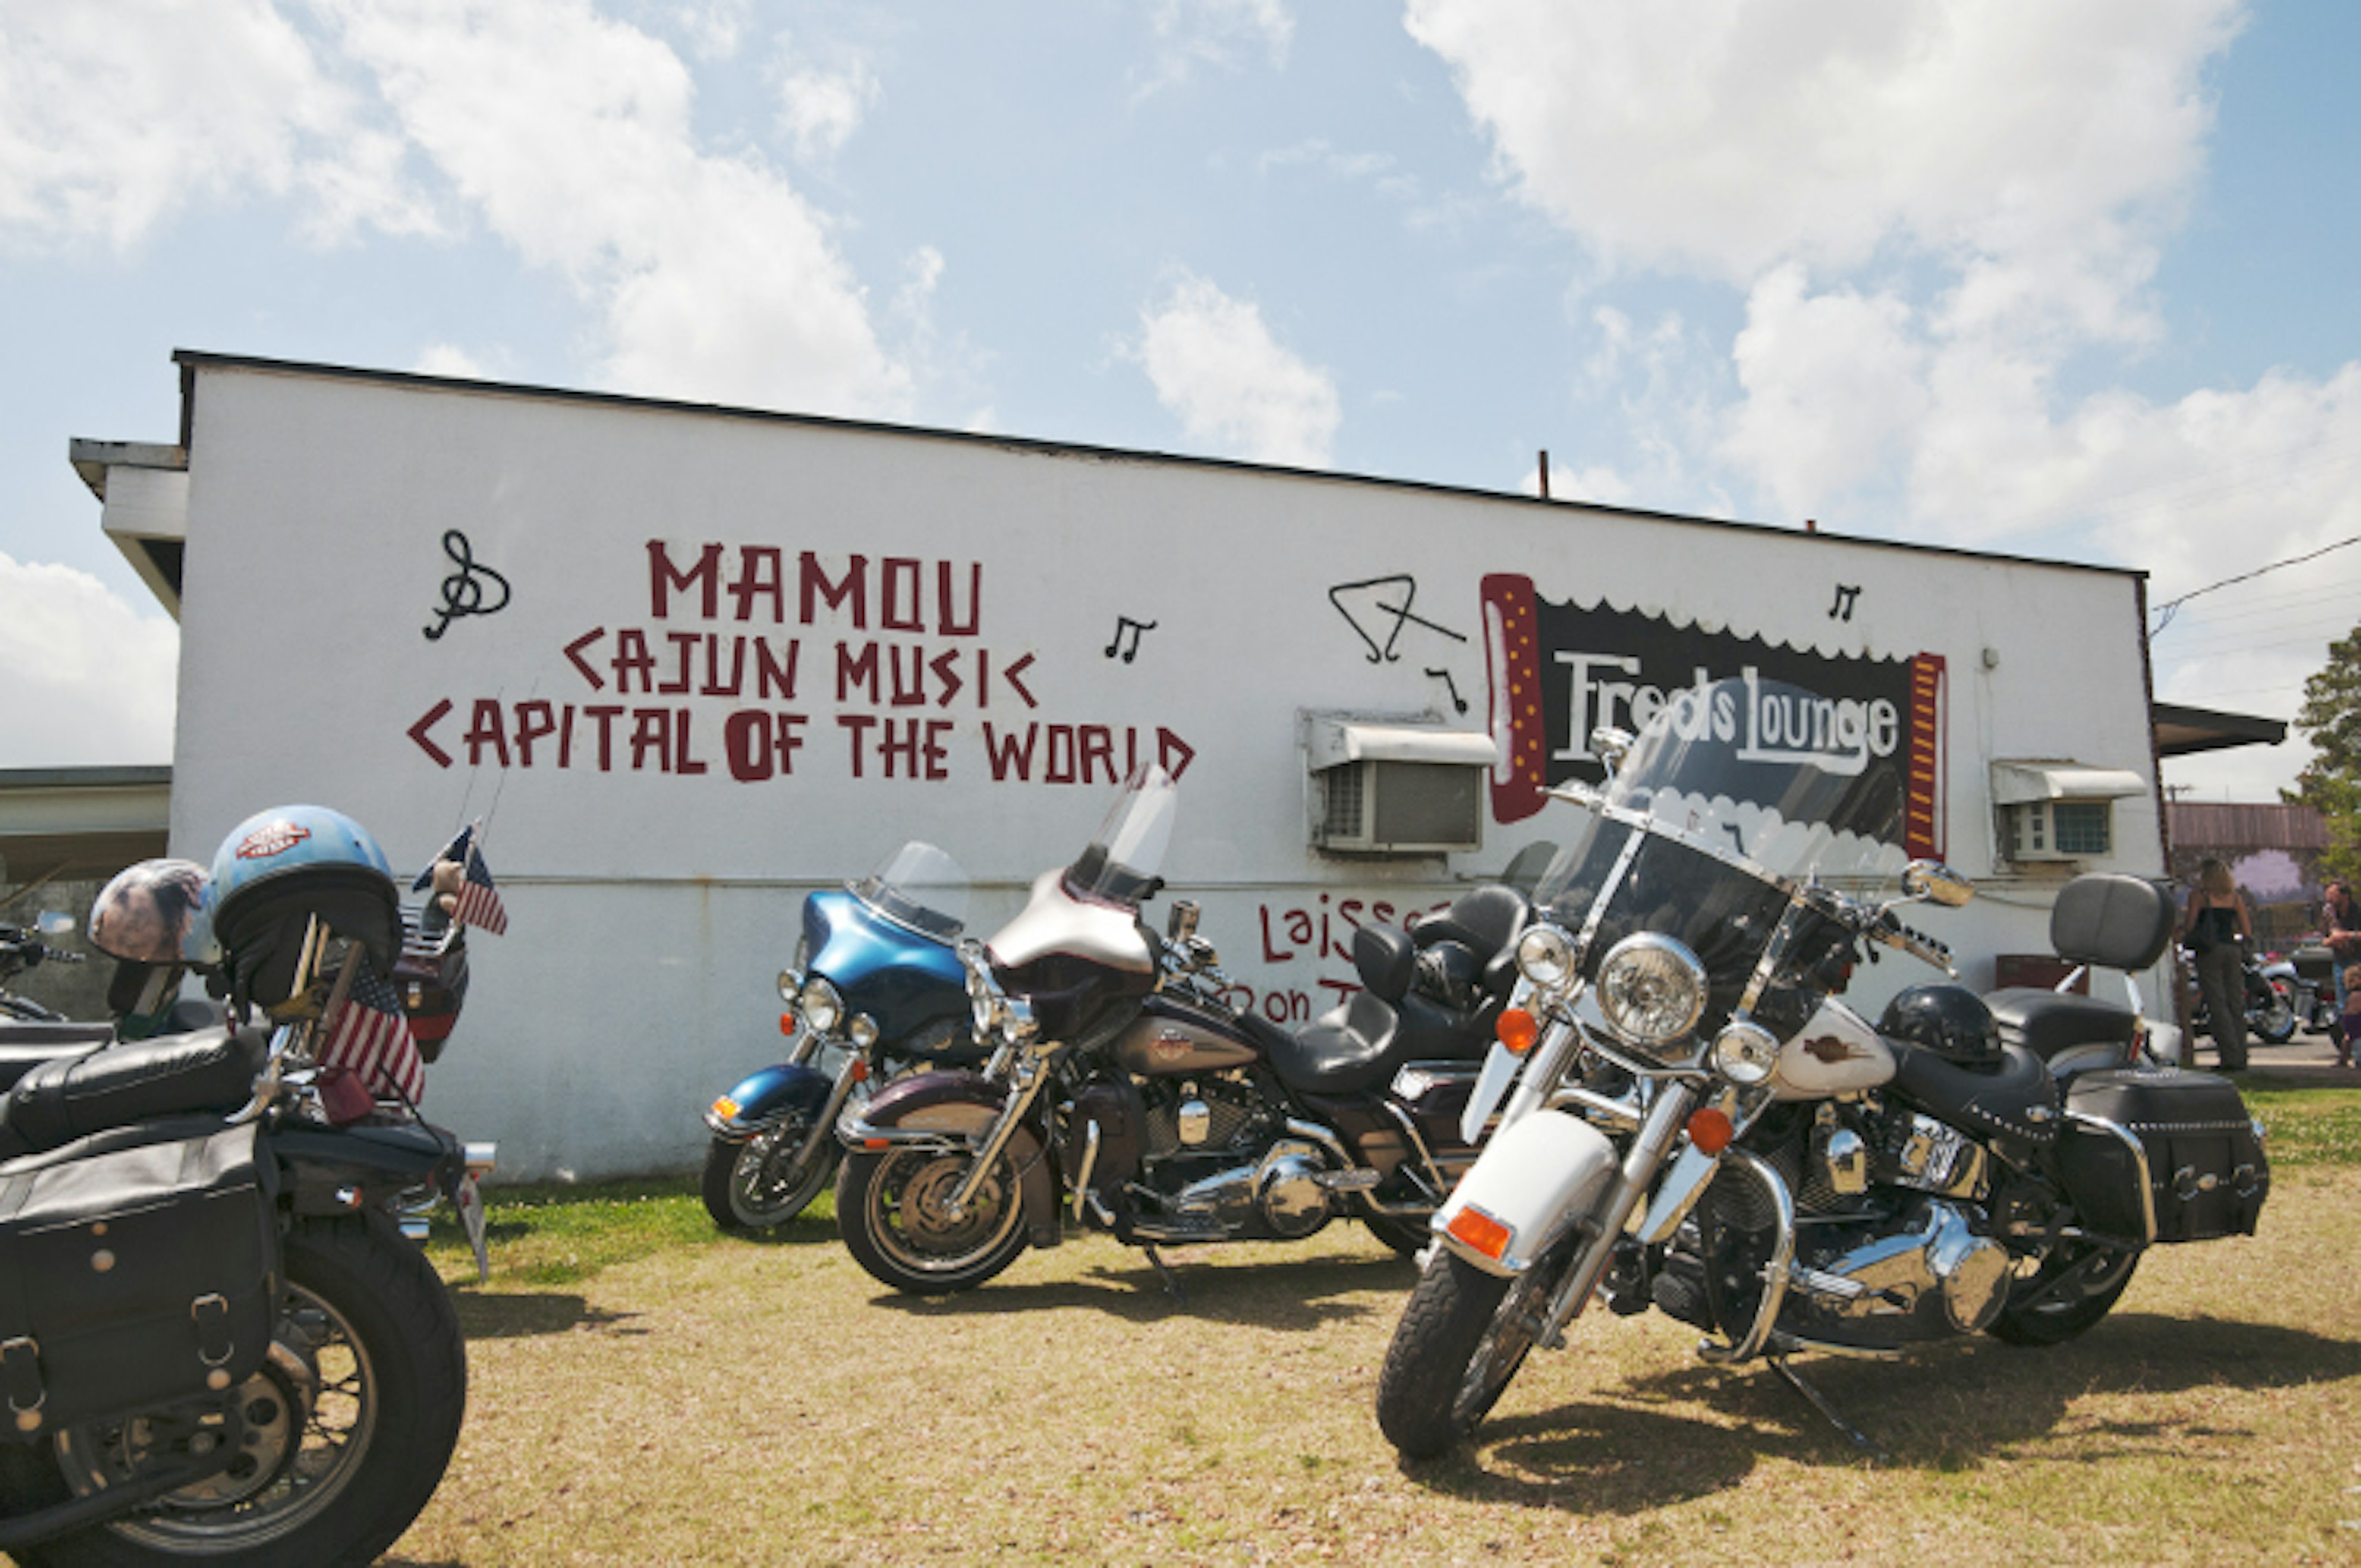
(2112, 921)
(1486, 918)
(1386, 959)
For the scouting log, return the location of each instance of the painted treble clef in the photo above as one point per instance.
(463, 590)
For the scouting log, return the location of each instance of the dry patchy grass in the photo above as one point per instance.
(718, 1401)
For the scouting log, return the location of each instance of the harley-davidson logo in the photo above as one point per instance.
(272, 839)
(1831, 1050)
(1170, 1044)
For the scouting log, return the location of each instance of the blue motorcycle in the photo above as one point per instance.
(876, 992)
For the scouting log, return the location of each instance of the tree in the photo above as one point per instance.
(2331, 783)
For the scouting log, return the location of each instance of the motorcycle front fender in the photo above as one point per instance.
(952, 1110)
(764, 1099)
(1533, 1181)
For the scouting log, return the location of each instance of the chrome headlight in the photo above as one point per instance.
(791, 986)
(1745, 1052)
(1651, 990)
(823, 1009)
(861, 1031)
(1545, 957)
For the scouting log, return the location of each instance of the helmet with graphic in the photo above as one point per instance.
(158, 912)
(277, 871)
(1950, 1020)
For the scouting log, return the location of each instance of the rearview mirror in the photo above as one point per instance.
(1937, 882)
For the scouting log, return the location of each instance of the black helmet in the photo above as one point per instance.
(1948, 1020)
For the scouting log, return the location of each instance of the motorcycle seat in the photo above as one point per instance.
(2015, 1097)
(25, 1046)
(1350, 1050)
(120, 1085)
(2048, 1022)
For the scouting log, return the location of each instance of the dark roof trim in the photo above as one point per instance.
(191, 360)
(2181, 731)
(142, 777)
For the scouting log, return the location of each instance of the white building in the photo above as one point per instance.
(689, 663)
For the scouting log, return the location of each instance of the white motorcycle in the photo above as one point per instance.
(1698, 1124)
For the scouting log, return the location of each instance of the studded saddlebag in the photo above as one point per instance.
(138, 1266)
(2157, 1154)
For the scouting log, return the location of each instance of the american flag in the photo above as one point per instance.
(479, 901)
(368, 1036)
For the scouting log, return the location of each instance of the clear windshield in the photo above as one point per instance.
(918, 886)
(1759, 770)
(1127, 852)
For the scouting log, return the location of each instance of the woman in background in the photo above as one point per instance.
(2217, 923)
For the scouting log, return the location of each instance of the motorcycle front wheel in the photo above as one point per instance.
(2273, 1021)
(348, 1425)
(889, 1207)
(2074, 1287)
(1463, 1335)
(766, 1181)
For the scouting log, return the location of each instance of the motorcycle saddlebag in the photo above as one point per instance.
(138, 1267)
(2162, 1154)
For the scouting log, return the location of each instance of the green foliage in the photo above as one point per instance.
(2331, 783)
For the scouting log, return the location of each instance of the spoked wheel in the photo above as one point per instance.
(2071, 1288)
(764, 1183)
(1463, 1335)
(890, 1208)
(345, 1431)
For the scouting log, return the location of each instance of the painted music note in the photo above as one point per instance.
(1381, 590)
(1124, 624)
(463, 590)
(1846, 596)
(1458, 703)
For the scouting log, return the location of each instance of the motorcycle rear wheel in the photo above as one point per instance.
(756, 1185)
(1463, 1335)
(2041, 1312)
(888, 1207)
(370, 1371)
(2274, 1024)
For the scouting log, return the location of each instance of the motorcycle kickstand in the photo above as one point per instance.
(1818, 1401)
(1171, 1283)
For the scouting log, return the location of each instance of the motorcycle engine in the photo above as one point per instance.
(1214, 1154)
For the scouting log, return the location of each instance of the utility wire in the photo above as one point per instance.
(2170, 608)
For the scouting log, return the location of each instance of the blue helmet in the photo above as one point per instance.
(281, 869)
(158, 912)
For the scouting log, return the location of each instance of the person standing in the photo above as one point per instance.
(2217, 922)
(2341, 913)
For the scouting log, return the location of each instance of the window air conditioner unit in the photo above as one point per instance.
(1396, 788)
(2059, 810)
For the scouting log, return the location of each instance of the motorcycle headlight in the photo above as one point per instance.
(1651, 990)
(1745, 1052)
(791, 986)
(862, 1030)
(1545, 957)
(823, 1009)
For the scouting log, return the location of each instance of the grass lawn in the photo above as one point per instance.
(644, 1390)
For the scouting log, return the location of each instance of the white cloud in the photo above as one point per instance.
(1215, 364)
(91, 680)
(1217, 33)
(821, 105)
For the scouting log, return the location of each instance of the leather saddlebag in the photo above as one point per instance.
(138, 1266)
(2188, 1134)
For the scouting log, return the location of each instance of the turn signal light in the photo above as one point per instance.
(787, 1022)
(1710, 1132)
(1517, 1031)
(859, 1070)
(726, 1108)
(1480, 1231)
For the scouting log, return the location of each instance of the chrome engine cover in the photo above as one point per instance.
(1278, 1196)
(1926, 1274)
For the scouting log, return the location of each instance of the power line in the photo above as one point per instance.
(2170, 608)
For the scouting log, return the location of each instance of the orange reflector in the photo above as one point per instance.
(787, 1023)
(1480, 1231)
(1518, 1031)
(876, 1143)
(726, 1108)
(1710, 1131)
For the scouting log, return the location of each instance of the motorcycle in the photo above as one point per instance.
(1121, 1074)
(1695, 1123)
(876, 992)
(22, 948)
(2305, 976)
(216, 1344)
(2271, 1009)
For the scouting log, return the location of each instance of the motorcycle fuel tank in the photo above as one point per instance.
(1835, 1052)
(1170, 1038)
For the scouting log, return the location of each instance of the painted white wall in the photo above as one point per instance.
(652, 906)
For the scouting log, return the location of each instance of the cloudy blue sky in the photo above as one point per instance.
(2071, 281)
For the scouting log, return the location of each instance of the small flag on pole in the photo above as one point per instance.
(475, 901)
(369, 1037)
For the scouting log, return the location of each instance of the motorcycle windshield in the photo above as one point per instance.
(1120, 864)
(920, 887)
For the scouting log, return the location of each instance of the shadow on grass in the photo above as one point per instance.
(521, 1315)
(1288, 1295)
(1947, 1407)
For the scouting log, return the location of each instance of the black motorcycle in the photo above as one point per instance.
(2271, 1010)
(1123, 1075)
(216, 1345)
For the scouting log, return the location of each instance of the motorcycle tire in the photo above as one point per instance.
(1463, 1335)
(755, 1186)
(2041, 1312)
(888, 1210)
(1406, 1237)
(2274, 1023)
(368, 1371)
